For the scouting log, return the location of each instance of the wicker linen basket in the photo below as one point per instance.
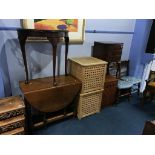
(91, 71)
(89, 103)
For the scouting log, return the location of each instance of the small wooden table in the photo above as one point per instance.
(49, 94)
(44, 97)
(54, 37)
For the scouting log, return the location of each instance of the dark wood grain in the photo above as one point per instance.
(109, 95)
(45, 97)
(11, 107)
(107, 51)
(149, 128)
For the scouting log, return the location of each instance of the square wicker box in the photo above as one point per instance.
(89, 103)
(91, 71)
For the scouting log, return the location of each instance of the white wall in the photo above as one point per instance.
(5, 80)
(40, 54)
(122, 25)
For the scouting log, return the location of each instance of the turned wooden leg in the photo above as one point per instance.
(66, 53)
(28, 118)
(143, 97)
(54, 42)
(138, 92)
(129, 96)
(22, 41)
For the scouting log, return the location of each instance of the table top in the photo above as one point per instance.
(88, 61)
(47, 83)
(45, 97)
(42, 33)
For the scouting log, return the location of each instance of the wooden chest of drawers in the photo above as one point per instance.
(12, 117)
(107, 51)
(110, 52)
(109, 95)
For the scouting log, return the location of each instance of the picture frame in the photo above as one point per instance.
(75, 27)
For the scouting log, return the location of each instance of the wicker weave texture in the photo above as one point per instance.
(92, 76)
(89, 103)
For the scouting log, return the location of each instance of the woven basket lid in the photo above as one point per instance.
(88, 61)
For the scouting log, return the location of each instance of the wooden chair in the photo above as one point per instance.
(149, 92)
(125, 76)
(127, 84)
(123, 87)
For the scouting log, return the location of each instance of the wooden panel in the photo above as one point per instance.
(12, 123)
(107, 51)
(110, 91)
(11, 107)
(115, 47)
(149, 128)
(18, 131)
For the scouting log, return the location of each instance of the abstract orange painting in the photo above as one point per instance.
(75, 27)
(56, 24)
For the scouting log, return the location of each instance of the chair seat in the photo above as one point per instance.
(152, 84)
(131, 79)
(122, 84)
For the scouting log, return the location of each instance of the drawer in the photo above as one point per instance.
(115, 47)
(12, 123)
(114, 52)
(18, 131)
(11, 107)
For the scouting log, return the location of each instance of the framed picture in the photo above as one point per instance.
(76, 27)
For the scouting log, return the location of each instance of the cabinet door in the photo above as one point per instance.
(109, 93)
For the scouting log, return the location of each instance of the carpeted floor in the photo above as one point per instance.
(127, 118)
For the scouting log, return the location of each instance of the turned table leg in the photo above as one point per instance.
(66, 53)
(54, 42)
(22, 40)
(28, 118)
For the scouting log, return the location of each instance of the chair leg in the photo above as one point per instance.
(138, 91)
(129, 94)
(118, 96)
(143, 97)
(128, 98)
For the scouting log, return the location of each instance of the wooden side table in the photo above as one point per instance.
(109, 95)
(41, 95)
(49, 94)
(53, 36)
